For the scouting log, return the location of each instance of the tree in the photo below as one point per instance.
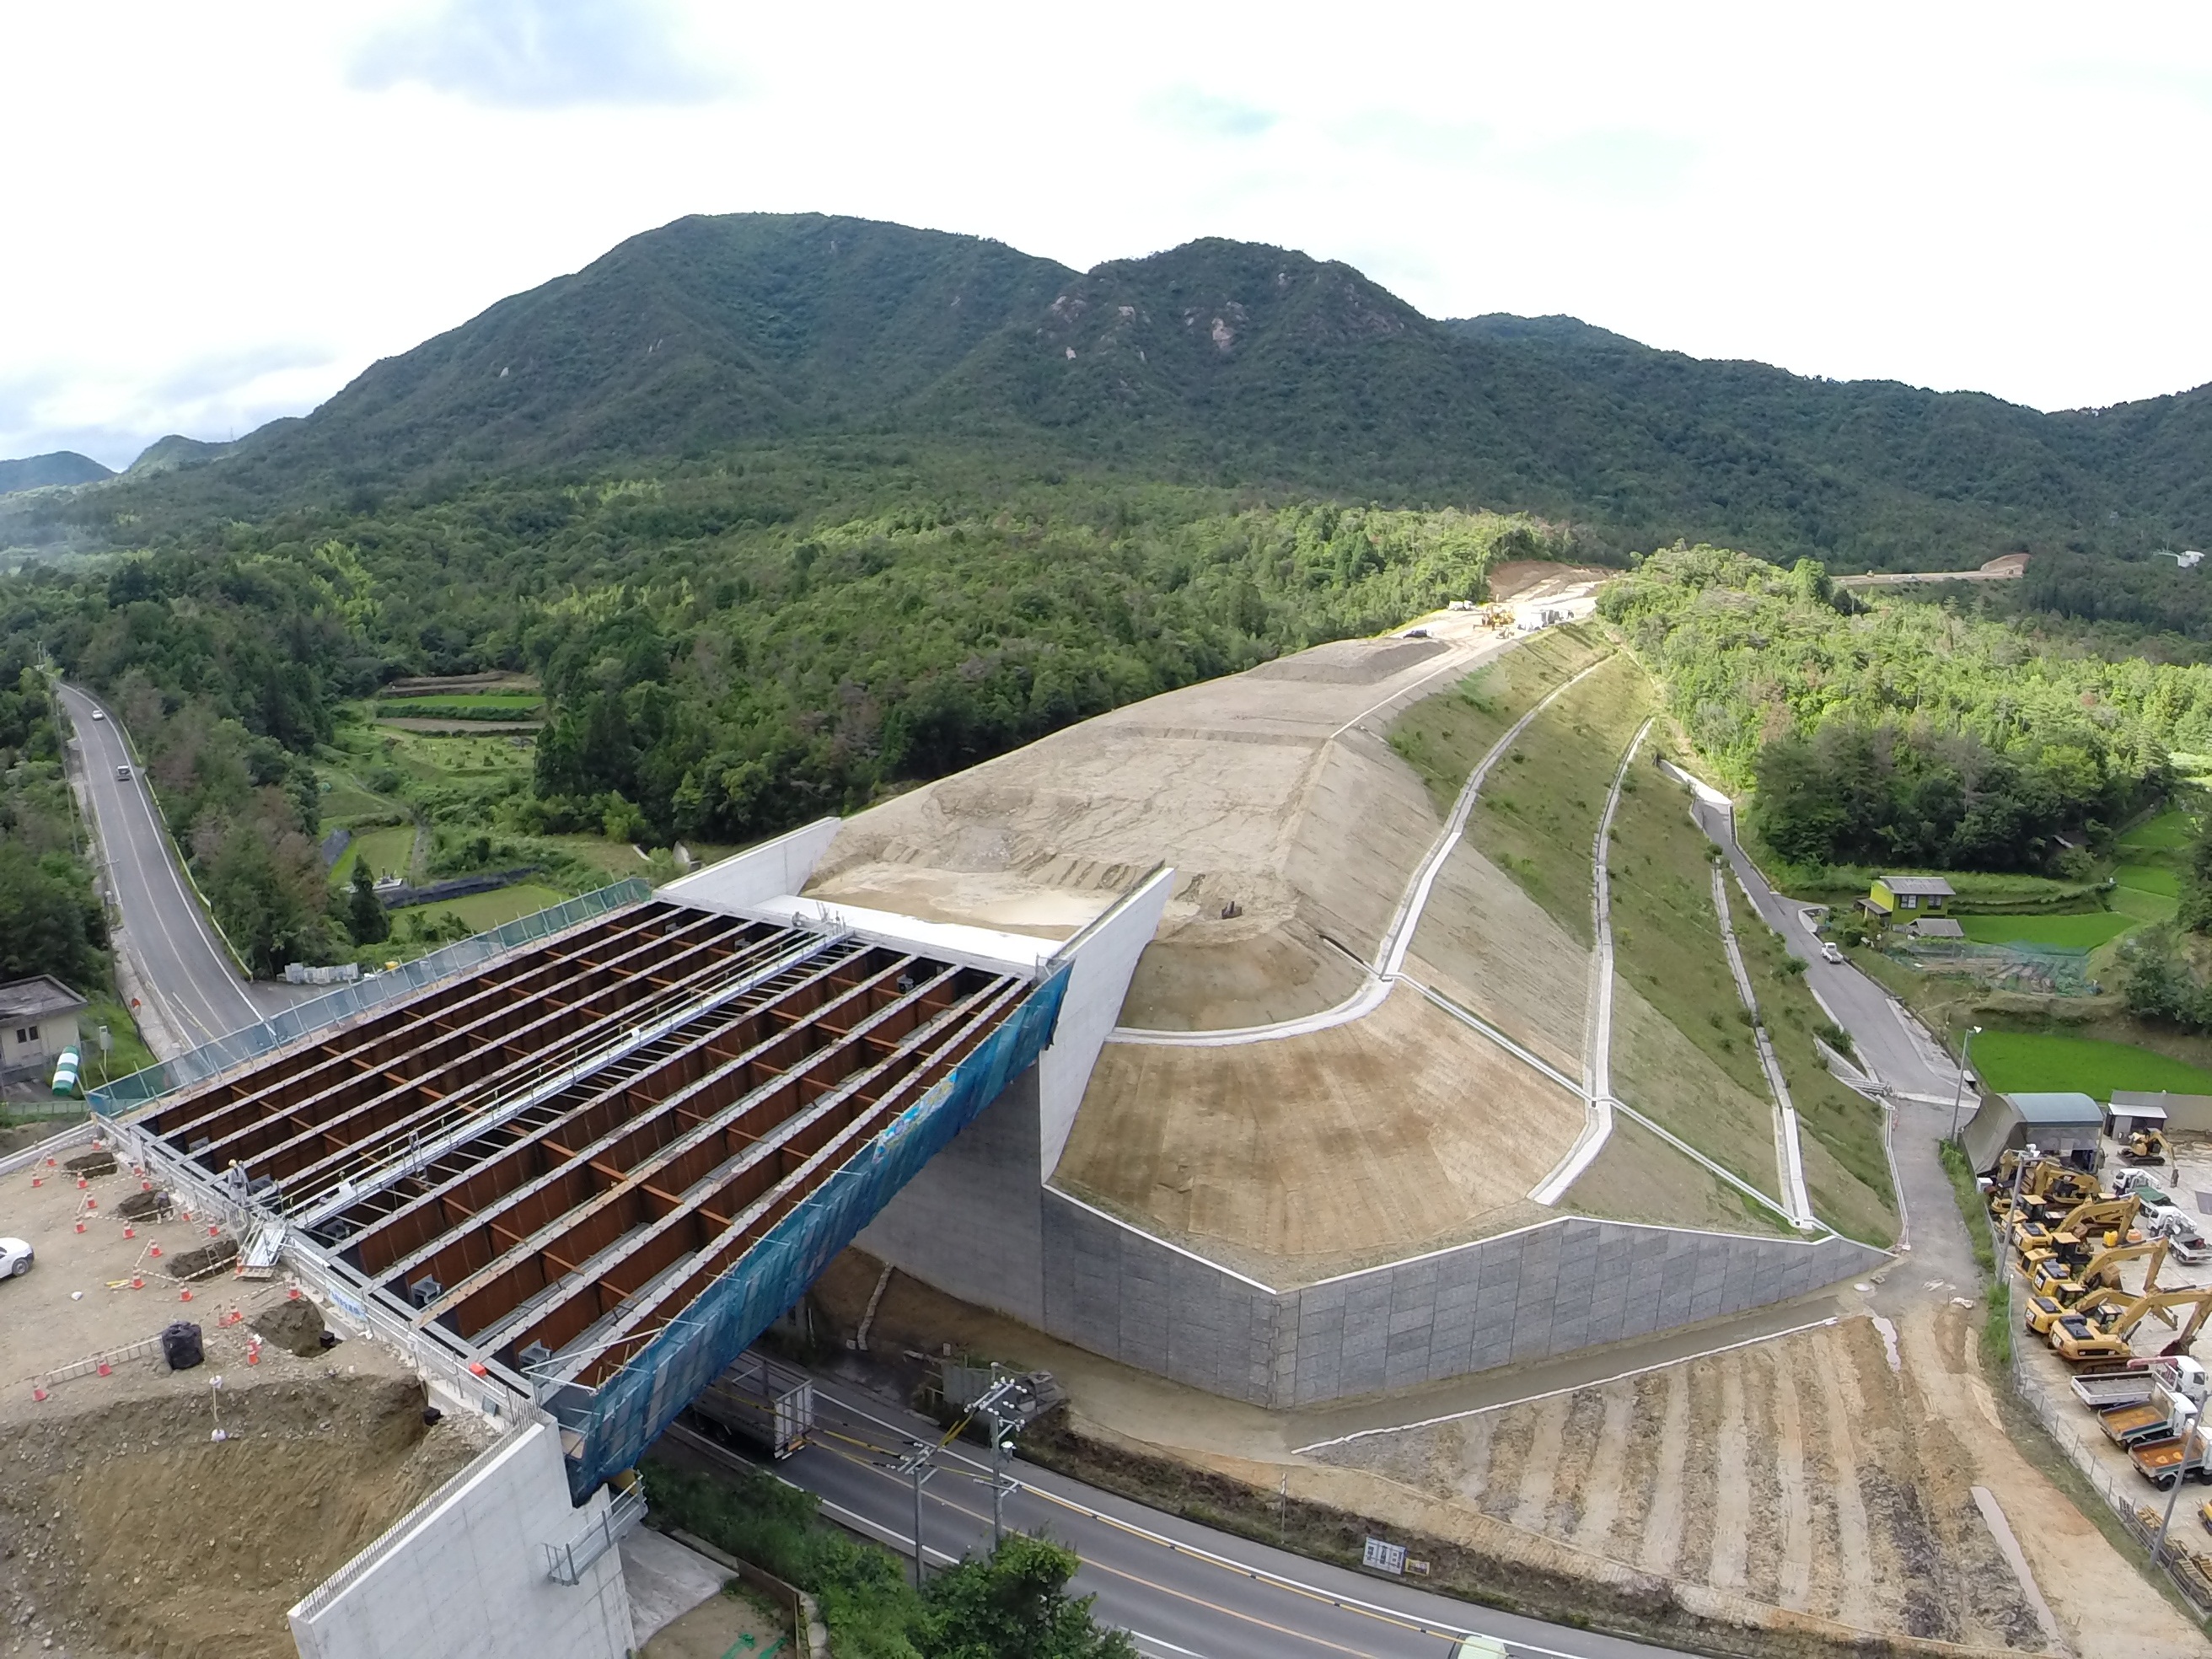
(365, 917)
(49, 923)
(1014, 1604)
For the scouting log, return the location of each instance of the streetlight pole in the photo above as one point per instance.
(1958, 1095)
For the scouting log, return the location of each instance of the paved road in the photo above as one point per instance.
(183, 971)
(1184, 1591)
(1900, 1054)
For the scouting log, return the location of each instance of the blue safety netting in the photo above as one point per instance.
(619, 1420)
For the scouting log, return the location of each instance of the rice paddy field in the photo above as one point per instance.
(2081, 933)
(2039, 1061)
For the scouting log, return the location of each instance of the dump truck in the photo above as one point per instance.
(2177, 1395)
(2161, 1461)
(2124, 1388)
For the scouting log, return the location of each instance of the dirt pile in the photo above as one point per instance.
(200, 1263)
(293, 1323)
(128, 1529)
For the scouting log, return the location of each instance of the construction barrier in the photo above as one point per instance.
(619, 1418)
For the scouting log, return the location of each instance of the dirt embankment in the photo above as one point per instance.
(128, 1529)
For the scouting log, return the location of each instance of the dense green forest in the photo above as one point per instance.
(50, 921)
(726, 651)
(1219, 364)
(1901, 733)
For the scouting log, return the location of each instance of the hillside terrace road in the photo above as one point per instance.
(1182, 1590)
(1904, 1059)
(183, 970)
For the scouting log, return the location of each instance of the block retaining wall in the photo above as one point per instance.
(1535, 1294)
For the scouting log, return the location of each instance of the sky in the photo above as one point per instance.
(221, 215)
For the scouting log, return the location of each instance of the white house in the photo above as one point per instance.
(37, 1020)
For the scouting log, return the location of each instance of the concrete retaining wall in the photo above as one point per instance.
(1544, 1290)
(466, 1572)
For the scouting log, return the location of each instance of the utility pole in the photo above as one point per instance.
(918, 1467)
(992, 1406)
(2180, 1476)
(1958, 1095)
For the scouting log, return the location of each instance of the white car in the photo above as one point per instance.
(1833, 952)
(14, 1258)
(98, 716)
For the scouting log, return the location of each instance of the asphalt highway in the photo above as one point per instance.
(196, 991)
(1182, 1590)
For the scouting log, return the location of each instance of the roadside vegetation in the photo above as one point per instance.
(1012, 1603)
(1445, 738)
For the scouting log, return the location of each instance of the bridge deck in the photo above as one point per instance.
(553, 1157)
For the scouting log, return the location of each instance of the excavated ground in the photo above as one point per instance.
(125, 1527)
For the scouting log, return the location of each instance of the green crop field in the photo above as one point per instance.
(2149, 878)
(2041, 1062)
(388, 853)
(2169, 830)
(479, 910)
(2083, 932)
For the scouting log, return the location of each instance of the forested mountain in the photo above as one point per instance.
(1216, 363)
(63, 467)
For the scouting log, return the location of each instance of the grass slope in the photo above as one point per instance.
(1538, 814)
(1445, 738)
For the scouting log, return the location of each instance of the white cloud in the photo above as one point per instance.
(536, 54)
(216, 215)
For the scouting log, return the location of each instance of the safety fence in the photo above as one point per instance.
(619, 1418)
(249, 1043)
(2140, 1507)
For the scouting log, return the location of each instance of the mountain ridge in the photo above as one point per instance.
(1222, 361)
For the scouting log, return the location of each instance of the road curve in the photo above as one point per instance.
(195, 991)
(1182, 1590)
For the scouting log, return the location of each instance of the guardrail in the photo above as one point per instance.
(251, 1042)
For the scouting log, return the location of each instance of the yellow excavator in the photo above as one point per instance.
(2077, 1337)
(2145, 1147)
(2049, 1181)
(2055, 1294)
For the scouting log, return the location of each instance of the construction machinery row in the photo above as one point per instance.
(2069, 1240)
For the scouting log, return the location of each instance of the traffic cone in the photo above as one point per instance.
(130, 1232)
(213, 1230)
(154, 1250)
(137, 1283)
(254, 1352)
(79, 1224)
(92, 1204)
(37, 1393)
(81, 1183)
(38, 1180)
(184, 1296)
(106, 1369)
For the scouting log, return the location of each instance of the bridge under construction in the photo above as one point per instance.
(600, 1167)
